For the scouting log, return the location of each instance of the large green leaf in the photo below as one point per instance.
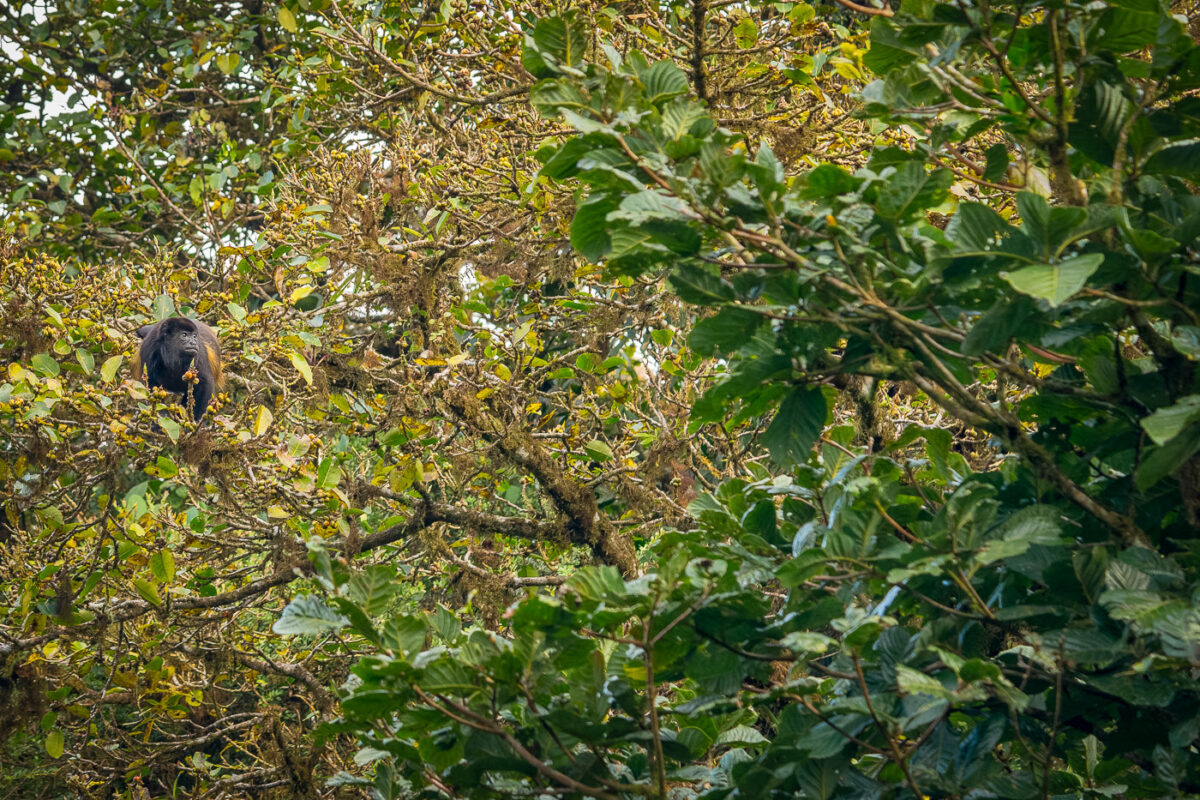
(912, 190)
(887, 52)
(725, 332)
(1166, 459)
(1167, 423)
(798, 423)
(1182, 160)
(698, 286)
(589, 229)
(373, 588)
(662, 81)
(992, 332)
(562, 38)
(1050, 227)
(1055, 283)
(976, 228)
(308, 614)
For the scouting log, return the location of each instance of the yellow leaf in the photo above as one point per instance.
(302, 367)
(228, 62)
(287, 19)
(299, 293)
(262, 420)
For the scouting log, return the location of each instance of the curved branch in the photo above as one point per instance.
(877, 12)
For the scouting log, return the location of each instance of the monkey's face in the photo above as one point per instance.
(187, 342)
(184, 346)
(180, 346)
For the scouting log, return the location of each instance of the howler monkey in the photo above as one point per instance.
(170, 350)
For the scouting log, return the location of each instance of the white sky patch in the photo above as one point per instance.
(58, 102)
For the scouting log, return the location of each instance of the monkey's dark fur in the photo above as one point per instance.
(170, 350)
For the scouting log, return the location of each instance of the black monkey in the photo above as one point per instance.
(174, 348)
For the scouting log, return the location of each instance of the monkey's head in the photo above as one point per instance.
(179, 342)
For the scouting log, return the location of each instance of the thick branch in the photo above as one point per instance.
(699, 10)
(586, 524)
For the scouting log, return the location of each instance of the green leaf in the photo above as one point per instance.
(1166, 423)
(1037, 524)
(329, 474)
(1086, 645)
(162, 565)
(598, 450)
(108, 371)
(44, 364)
(1166, 459)
(85, 359)
(170, 427)
(829, 180)
(163, 307)
(165, 467)
(1055, 283)
(308, 614)
(1181, 160)
(564, 163)
(694, 285)
(741, 735)
(358, 620)
(373, 588)
(1122, 30)
(663, 80)
(563, 39)
(996, 164)
(445, 623)
(405, 634)
(680, 117)
(913, 681)
(796, 426)
(886, 53)
(147, 590)
(996, 328)
(726, 332)
(1149, 243)
(976, 228)
(1050, 227)
(589, 234)
(55, 743)
(745, 33)
(912, 190)
(819, 777)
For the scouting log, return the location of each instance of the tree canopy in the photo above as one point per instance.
(637, 400)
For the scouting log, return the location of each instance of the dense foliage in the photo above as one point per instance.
(634, 401)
